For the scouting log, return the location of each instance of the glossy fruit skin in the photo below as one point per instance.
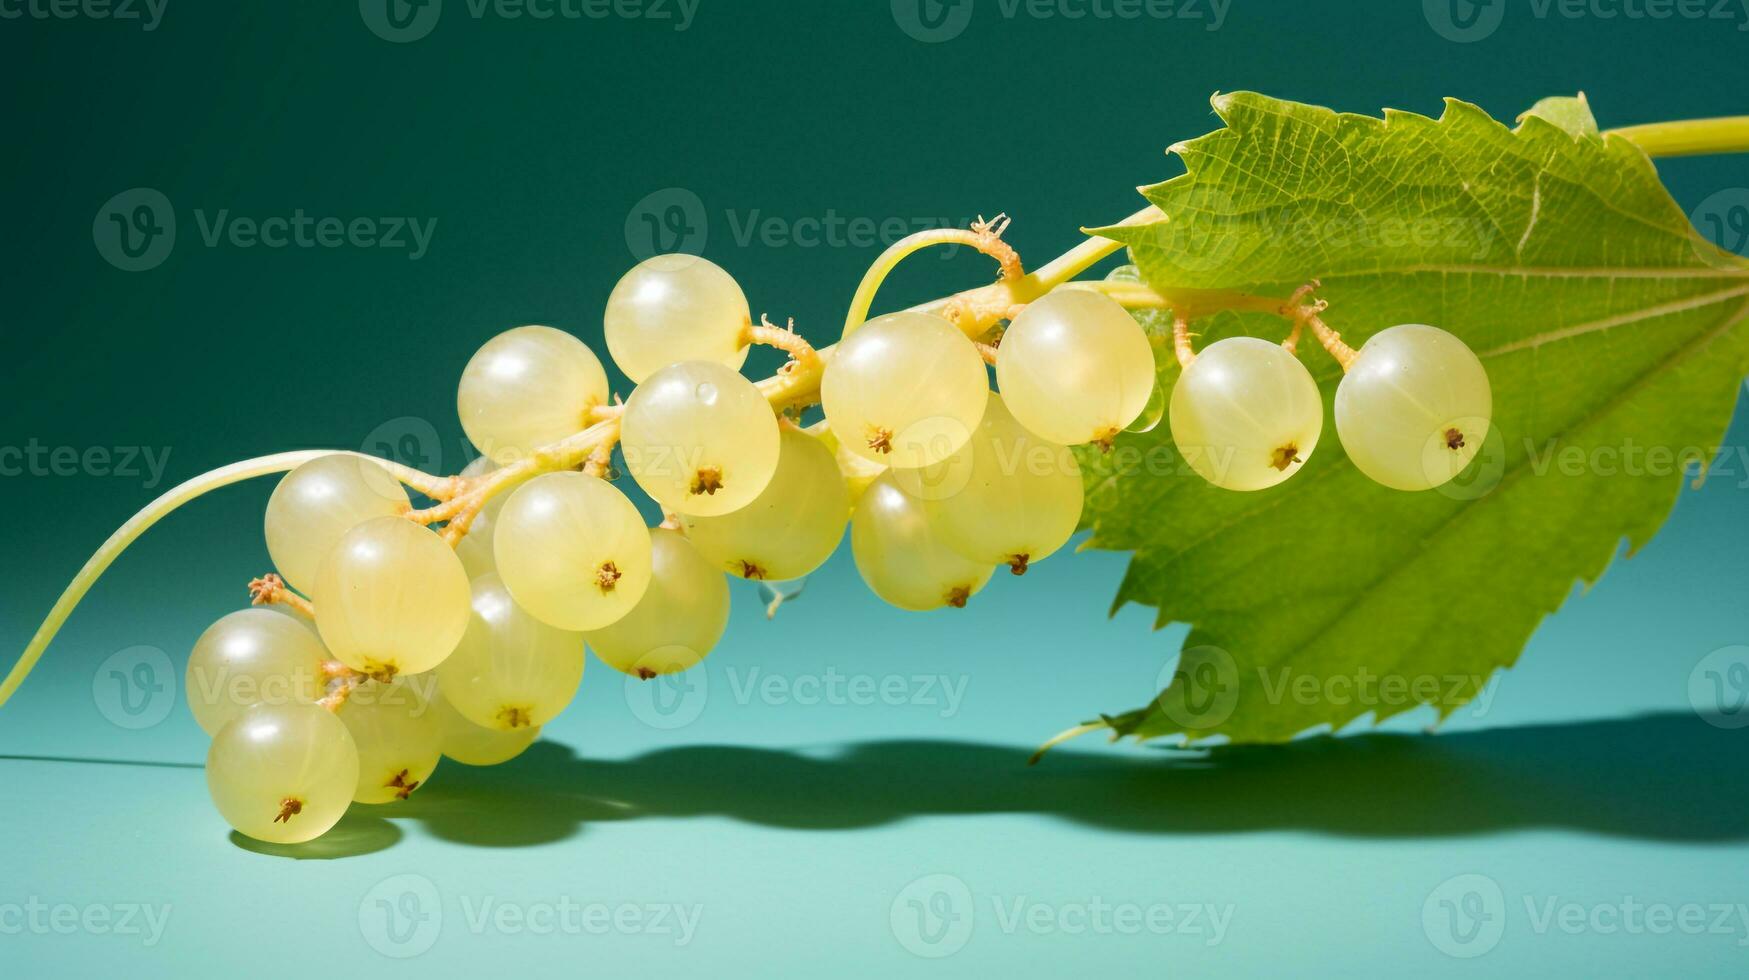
(526, 388)
(1246, 414)
(391, 598)
(473, 745)
(672, 308)
(248, 657)
(1006, 498)
(511, 671)
(314, 505)
(679, 620)
(572, 550)
(282, 773)
(1414, 407)
(905, 389)
(794, 524)
(1075, 367)
(396, 734)
(902, 559)
(700, 439)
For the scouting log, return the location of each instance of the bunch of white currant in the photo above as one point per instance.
(418, 649)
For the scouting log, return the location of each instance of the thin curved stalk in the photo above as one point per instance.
(125, 535)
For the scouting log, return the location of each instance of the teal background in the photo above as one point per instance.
(793, 828)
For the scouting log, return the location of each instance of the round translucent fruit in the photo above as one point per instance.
(679, 620)
(397, 736)
(512, 671)
(1246, 414)
(1413, 408)
(282, 773)
(700, 438)
(1075, 367)
(794, 524)
(252, 656)
(905, 389)
(526, 388)
(391, 598)
(317, 503)
(1006, 498)
(902, 559)
(474, 745)
(675, 308)
(573, 550)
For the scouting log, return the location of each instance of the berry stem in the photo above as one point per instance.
(270, 590)
(985, 236)
(1331, 340)
(783, 338)
(137, 525)
(1689, 137)
(1181, 345)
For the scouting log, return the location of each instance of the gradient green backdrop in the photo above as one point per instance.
(543, 148)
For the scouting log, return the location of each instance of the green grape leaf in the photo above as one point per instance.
(1610, 332)
(1570, 112)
